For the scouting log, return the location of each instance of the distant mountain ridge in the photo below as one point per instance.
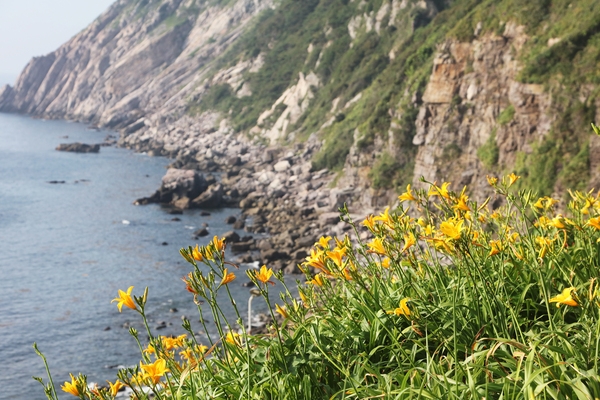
(391, 89)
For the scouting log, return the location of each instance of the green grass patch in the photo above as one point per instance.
(507, 115)
(489, 152)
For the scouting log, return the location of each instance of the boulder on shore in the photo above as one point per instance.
(211, 198)
(177, 188)
(79, 147)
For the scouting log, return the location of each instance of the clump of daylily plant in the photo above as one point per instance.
(448, 298)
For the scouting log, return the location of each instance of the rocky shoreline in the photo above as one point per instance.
(275, 188)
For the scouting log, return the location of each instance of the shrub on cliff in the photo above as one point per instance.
(452, 299)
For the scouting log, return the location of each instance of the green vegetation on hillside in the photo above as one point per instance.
(563, 50)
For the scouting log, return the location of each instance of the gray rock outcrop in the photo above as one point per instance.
(79, 147)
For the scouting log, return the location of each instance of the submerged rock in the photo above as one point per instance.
(79, 147)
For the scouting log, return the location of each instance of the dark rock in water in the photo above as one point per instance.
(201, 232)
(239, 224)
(175, 211)
(165, 243)
(230, 220)
(79, 147)
(107, 328)
(273, 255)
(240, 247)
(56, 182)
(175, 219)
(147, 200)
(231, 237)
(211, 198)
(204, 213)
(248, 284)
(182, 202)
(173, 310)
(177, 184)
(246, 258)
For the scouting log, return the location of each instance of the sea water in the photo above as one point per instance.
(67, 248)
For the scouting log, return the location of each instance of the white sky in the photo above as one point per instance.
(31, 28)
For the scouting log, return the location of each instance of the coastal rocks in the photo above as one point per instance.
(79, 147)
(177, 188)
(211, 198)
(201, 232)
(278, 194)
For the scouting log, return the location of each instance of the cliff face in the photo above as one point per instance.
(471, 85)
(388, 90)
(134, 60)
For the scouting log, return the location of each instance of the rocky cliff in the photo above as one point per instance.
(377, 92)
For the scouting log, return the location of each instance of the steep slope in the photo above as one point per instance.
(386, 91)
(133, 60)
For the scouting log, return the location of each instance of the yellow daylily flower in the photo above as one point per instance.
(512, 178)
(557, 222)
(155, 370)
(233, 338)
(347, 275)
(150, 349)
(402, 309)
(282, 311)
(71, 387)
(317, 280)
(496, 247)
(187, 354)
(324, 241)
(452, 228)
(376, 246)
(369, 222)
(595, 222)
(434, 190)
(407, 196)
(513, 237)
(227, 277)
(264, 274)
(316, 259)
(218, 243)
(492, 180)
(384, 217)
(409, 241)
(429, 230)
(336, 255)
(170, 343)
(566, 297)
(543, 241)
(196, 254)
(115, 387)
(542, 222)
(461, 203)
(125, 299)
(385, 263)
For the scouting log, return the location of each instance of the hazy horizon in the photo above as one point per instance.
(31, 28)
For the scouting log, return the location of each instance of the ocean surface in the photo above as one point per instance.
(67, 248)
